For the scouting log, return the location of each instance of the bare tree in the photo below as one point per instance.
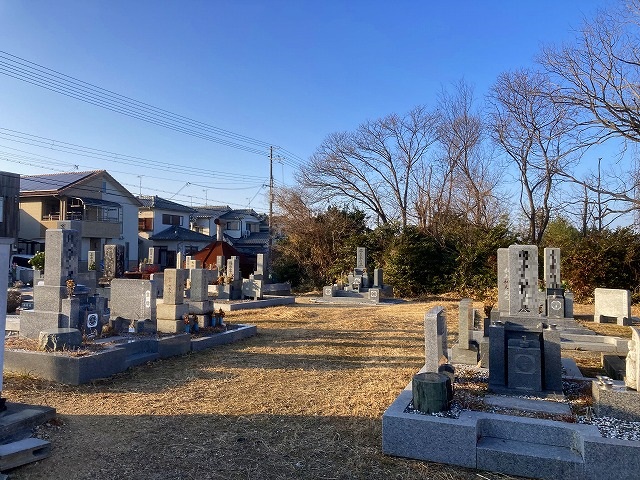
(537, 137)
(471, 173)
(600, 71)
(374, 166)
(599, 74)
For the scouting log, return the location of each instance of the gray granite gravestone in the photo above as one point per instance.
(614, 304)
(463, 352)
(170, 313)
(524, 358)
(435, 338)
(503, 280)
(113, 261)
(552, 268)
(133, 299)
(61, 263)
(523, 281)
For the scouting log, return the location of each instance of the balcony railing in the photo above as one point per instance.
(78, 216)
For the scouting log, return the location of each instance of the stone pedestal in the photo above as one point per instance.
(170, 326)
(615, 400)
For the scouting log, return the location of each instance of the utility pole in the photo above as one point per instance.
(269, 252)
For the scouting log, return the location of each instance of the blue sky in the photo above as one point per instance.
(284, 72)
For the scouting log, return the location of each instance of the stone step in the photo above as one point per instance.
(140, 358)
(514, 457)
(22, 452)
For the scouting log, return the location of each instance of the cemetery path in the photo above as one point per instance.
(303, 399)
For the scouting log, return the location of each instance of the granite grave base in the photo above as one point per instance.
(124, 353)
(508, 444)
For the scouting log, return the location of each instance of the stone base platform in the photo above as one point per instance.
(127, 351)
(508, 444)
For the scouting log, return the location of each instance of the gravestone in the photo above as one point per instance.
(523, 281)
(435, 339)
(133, 299)
(261, 263)
(632, 372)
(152, 255)
(252, 288)
(233, 268)
(51, 307)
(614, 304)
(220, 264)
(91, 260)
(179, 260)
(524, 358)
(113, 262)
(361, 258)
(377, 278)
(170, 313)
(192, 264)
(463, 352)
(552, 268)
(199, 303)
(503, 280)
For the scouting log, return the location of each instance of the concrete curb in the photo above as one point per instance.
(131, 352)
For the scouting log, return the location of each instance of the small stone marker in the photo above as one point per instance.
(432, 392)
(612, 303)
(435, 338)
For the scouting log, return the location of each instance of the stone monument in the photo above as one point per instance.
(170, 313)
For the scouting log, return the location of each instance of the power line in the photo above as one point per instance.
(36, 74)
(74, 149)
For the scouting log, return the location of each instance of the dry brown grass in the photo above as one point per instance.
(301, 400)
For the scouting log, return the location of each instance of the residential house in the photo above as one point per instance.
(93, 202)
(244, 229)
(164, 225)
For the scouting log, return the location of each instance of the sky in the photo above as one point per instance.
(281, 73)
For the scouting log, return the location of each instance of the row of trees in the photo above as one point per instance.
(320, 249)
(536, 125)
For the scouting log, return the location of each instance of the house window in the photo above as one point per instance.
(145, 224)
(104, 186)
(234, 225)
(253, 227)
(190, 249)
(171, 219)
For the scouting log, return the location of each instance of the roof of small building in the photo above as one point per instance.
(153, 201)
(182, 234)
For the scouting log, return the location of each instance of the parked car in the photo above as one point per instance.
(20, 268)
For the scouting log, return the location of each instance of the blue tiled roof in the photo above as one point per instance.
(181, 234)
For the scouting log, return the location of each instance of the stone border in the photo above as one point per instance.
(507, 444)
(231, 305)
(78, 370)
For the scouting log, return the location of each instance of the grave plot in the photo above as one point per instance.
(520, 421)
(359, 286)
(132, 320)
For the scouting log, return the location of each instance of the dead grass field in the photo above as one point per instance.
(301, 400)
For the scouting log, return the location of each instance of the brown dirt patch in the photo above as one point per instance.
(303, 399)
